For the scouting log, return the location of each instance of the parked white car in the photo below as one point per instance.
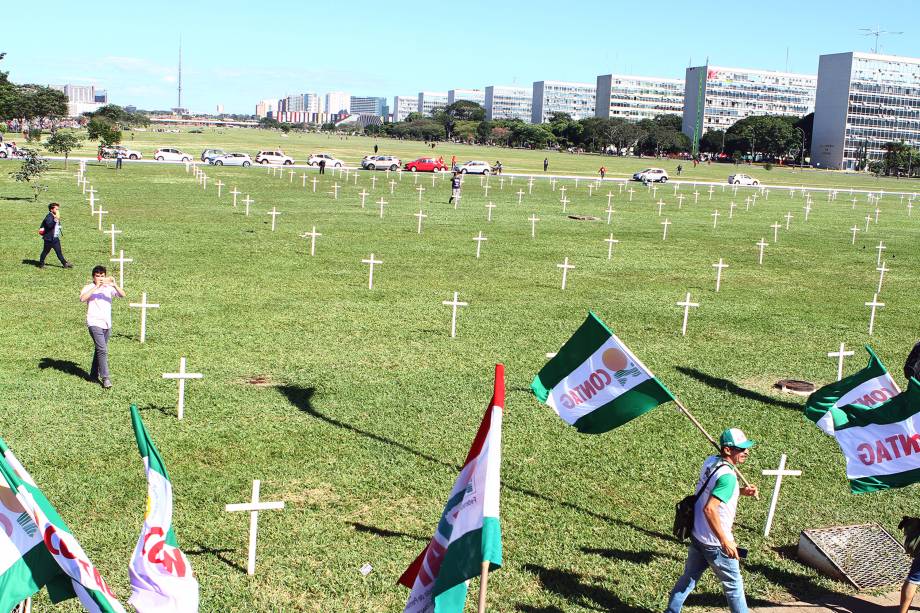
(231, 159)
(169, 154)
(380, 162)
(331, 162)
(740, 179)
(651, 175)
(112, 152)
(475, 167)
(274, 156)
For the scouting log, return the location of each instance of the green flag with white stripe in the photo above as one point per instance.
(596, 383)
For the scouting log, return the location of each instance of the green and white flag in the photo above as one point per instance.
(595, 383)
(85, 580)
(25, 563)
(876, 425)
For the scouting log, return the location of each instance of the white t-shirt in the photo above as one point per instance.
(725, 482)
(99, 306)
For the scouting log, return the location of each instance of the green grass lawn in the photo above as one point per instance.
(366, 406)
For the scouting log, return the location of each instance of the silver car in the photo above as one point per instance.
(231, 159)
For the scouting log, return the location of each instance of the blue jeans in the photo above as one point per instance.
(728, 570)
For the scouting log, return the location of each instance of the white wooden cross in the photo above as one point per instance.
(854, 230)
(303, 180)
(665, 223)
(868, 221)
(630, 191)
(84, 185)
(711, 189)
(910, 207)
(660, 206)
(501, 183)
(479, 240)
(314, 181)
(565, 202)
(291, 175)
(420, 189)
(453, 318)
(182, 376)
(254, 507)
(371, 261)
(881, 247)
(335, 191)
(761, 244)
(676, 187)
(392, 185)
(853, 201)
(840, 355)
(609, 210)
(530, 185)
(609, 196)
(420, 216)
(100, 213)
(112, 233)
(680, 200)
(235, 193)
(562, 191)
(807, 209)
(686, 304)
(565, 266)
(382, 204)
(520, 195)
(122, 260)
(696, 197)
(731, 209)
(490, 206)
(247, 201)
(776, 226)
(143, 305)
(204, 181)
(363, 194)
(274, 214)
(553, 183)
(533, 225)
(654, 189)
(881, 275)
(590, 188)
(621, 187)
(485, 190)
(610, 243)
(313, 234)
(715, 218)
(719, 268)
(92, 198)
(874, 304)
(877, 211)
(219, 185)
(415, 179)
(779, 473)
(373, 182)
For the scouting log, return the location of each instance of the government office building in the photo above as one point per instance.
(508, 102)
(638, 98)
(864, 100)
(403, 105)
(716, 97)
(473, 95)
(576, 99)
(429, 101)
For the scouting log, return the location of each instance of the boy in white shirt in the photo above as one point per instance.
(98, 297)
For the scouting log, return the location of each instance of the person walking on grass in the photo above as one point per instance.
(50, 231)
(455, 184)
(545, 164)
(712, 544)
(98, 297)
(602, 171)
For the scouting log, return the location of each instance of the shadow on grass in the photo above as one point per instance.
(167, 411)
(636, 557)
(68, 367)
(217, 553)
(301, 397)
(733, 388)
(526, 608)
(29, 262)
(17, 198)
(359, 527)
(570, 586)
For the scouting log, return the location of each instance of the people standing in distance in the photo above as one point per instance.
(603, 171)
(322, 166)
(545, 164)
(498, 167)
(455, 184)
(119, 157)
(50, 231)
(453, 162)
(98, 297)
(712, 544)
(375, 149)
(680, 169)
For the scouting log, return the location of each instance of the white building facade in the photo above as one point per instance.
(508, 102)
(715, 97)
(428, 101)
(473, 95)
(403, 105)
(637, 98)
(337, 102)
(576, 99)
(864, 100)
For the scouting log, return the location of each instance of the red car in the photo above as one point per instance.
(426, 165)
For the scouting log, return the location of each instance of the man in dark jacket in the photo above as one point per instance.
(50, 231)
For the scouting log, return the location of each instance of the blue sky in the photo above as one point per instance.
(236, 53)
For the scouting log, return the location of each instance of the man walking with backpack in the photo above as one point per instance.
(712, 544)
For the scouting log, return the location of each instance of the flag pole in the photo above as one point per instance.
(483, 584)
(696, 423)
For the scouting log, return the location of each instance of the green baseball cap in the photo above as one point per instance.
(734, 437)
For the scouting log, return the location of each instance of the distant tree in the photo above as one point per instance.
(269, 123)
(414, 116)
(465, 110)
(30, 171)
(37, 102)
(484, 131)
(899, 159)
(662, 135)
(624, 135)
(713, 141)
(500, 135)
(104, 130)
(62, 142)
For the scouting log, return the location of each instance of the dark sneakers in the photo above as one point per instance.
(106, 383)
(67, 265)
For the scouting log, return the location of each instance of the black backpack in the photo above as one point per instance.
(912, 365)
(684, 510)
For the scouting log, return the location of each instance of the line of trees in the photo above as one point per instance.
(29, 103)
